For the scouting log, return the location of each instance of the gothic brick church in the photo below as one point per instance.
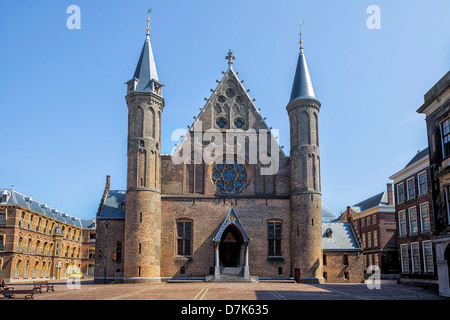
(222, 208)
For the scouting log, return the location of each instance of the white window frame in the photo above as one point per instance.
(402, 248)
(400, 223)
(398, 196)
(425, 266)
(412, 257)
(421, 217)
(421, 192)
(414, 188)
(409, 218)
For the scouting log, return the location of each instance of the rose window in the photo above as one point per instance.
(231, 177)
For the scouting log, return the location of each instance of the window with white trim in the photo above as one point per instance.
(400, 192)
(425, 217)
(402, 223)
(404, 258)
(415, 257)
(412, 220)
(422, 180)
(427, 256)
(411, 188)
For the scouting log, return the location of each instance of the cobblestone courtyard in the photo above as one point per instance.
(87, 290)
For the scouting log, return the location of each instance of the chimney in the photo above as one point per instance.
(108, 182)
(390, 194)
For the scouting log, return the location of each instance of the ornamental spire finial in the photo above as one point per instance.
(301, 34)
(230, 57)
(148, 23)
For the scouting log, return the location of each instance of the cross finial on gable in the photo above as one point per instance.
(230, 57)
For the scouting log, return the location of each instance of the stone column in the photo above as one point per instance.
(246, 268)
(217, 267)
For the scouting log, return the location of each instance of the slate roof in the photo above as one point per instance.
(232, 219)
(380, 199)
(112, 206)
(302, 87)
(17, 198)
(419, 155)
(342, 237)
(146, 69)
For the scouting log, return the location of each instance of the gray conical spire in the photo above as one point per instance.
(145, 76)
(303, 87)
(146, 68)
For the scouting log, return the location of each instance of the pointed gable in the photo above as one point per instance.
(232, 219)
(230, 107)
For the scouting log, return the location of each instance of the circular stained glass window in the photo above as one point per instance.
(229, 178)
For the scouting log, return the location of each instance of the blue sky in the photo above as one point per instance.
(63, 114)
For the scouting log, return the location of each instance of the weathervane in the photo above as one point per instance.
(230, 57)
(301, 34)
(148, 23)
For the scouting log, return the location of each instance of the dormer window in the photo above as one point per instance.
(5, 196)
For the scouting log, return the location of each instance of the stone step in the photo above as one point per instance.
(232, 272)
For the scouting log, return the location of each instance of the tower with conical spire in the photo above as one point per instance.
(305, 200)
(143, 196)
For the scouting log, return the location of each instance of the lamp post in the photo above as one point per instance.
(106, 251)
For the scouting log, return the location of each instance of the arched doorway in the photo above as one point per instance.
(230, 247)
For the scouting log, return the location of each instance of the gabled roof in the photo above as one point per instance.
(370, 202)
(229, 76)
(14, 197)
(338, 236)
(379, 200)
(112, 207)
(419, 155)
(232, 219)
